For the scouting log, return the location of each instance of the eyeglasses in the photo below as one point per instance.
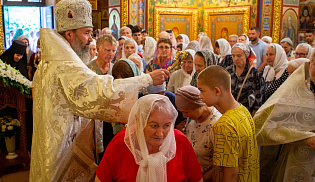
(161, 47)
(300, 54)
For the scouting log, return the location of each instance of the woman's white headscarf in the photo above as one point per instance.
(205, 43)
(149, 49)
(268, 38)
(224, 46)
(246, 38)
(152, 167)
(279, 65)
(123, 55)
(193, 45)
(185, 38)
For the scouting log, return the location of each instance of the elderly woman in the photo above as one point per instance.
(303, 50)
(162, 56)
(205, 43)
(199, 125)
(245, 79)
(183, 76)
(287, 45)
(243, 39)
(276, 72)
(203, 59)
(130, 46)
(150, 149)
(267, 39)
(222, 48)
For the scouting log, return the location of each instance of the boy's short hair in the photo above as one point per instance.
(136, 29)
(215, 76)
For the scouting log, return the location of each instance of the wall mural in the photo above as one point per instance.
(222, 26)
(181, 21)
(137, 12)
(114, 22)
(200, 5)
(223, 22)
(307, 15)
(291, 2)
(180, 24)
(266, 18)
(289, 24)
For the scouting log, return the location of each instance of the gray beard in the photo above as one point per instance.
(82, 52)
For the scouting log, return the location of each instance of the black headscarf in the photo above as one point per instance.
(17, 47)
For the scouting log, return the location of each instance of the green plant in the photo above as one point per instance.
(9, 127)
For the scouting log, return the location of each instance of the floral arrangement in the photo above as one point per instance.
(12, 77)
(9, 127)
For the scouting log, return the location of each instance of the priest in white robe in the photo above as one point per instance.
(65, 88)
(285, 129)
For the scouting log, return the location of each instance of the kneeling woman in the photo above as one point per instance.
(150, 149)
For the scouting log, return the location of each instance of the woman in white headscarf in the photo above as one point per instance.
(150, 149)
(149, 47)
(222, 48)
(267, 39)
(121, 42)
(182, 38)
(276, 72)
(243, 39)
(183, 76)
(130, 46)
(205, 43)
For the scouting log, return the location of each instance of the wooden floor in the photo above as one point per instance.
(15, 174)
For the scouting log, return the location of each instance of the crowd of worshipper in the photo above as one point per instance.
(198, 125)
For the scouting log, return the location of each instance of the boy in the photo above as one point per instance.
(235, 147)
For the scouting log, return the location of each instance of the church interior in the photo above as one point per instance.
(218, 19)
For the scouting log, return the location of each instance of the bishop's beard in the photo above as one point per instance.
(82, 52)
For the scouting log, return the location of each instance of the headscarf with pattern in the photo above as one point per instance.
(249, 53)
(193, 45)
(210, 59)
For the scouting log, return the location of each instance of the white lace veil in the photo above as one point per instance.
(279, 65)
(152, 167)
(225, 47)
(123, 55)
(149, 49)
(205, 43)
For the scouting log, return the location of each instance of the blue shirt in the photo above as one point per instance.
(260, 51)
